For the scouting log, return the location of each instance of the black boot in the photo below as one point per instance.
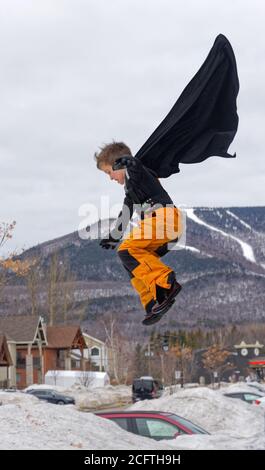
(171, 293)
(148, 309)
(149, 306)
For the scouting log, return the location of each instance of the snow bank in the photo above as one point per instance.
(28, 423)
(106, 397)
(233, 423)
(93, 398)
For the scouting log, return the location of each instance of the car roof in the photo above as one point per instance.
(164, 413)
(249, 392)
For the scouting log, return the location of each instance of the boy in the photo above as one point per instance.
(141, 250)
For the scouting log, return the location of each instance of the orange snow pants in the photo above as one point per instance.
(141, 250)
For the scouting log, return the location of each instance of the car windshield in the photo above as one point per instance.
(188, 424)
(143, 384)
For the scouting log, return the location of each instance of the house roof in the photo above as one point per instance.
(5, 357)
(96, 340)
(20, 328)
(65, 336)
(250, 345)
(97, 334)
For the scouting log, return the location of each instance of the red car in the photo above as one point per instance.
(153, 424)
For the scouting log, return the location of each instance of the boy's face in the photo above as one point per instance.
(117, 175)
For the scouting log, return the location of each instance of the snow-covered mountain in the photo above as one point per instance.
(221, 266)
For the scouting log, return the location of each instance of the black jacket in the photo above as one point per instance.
(143, 192)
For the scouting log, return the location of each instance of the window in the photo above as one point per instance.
(143, 385)
(250, 398)
(21, 361)
(42, 393)
(156, 428)
(122, 422)
(75, 364)
(36, 362)
(188, 424)
(94, 352)
(61, 354)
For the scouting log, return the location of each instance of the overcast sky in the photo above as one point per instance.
(78, 73)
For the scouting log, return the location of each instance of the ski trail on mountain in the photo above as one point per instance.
(246, 248)
(239, 220)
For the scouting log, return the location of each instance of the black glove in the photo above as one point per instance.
(109, 242)
(123, 162)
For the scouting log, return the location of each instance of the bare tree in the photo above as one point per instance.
(33, 281)
(55, 374)
(121, 351)
(85, 378)
(10, 263)
(60, 291)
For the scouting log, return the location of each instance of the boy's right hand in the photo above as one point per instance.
(123, 162)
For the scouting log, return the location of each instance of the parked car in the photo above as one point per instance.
(257, 386)
(249, 397)
(52, 396)
(153, 424)
(146, 388)
(260, 401)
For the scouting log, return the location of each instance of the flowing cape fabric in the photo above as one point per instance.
(203, 121)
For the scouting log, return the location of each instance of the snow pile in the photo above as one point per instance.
(103, 397)
(17, 398)
(93, 398)
(29, 423)
(233, 424)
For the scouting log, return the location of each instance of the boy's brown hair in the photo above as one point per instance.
(110, 152)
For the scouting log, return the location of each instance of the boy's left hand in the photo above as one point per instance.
(109, 242)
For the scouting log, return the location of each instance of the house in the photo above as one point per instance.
(25, 338)
(36, 348)
(242, 359)
(5, 362)
(250, 359)
(96, 352)
(62, 341)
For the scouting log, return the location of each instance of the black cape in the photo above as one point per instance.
(203, 121)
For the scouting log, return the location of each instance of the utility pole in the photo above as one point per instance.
(162, 368)
(149, 354)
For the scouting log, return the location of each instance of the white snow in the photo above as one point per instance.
(233, 424)
(28, 423)
(238, 219)
(191, 248)
(91, 398)
(195, 250)
(246, 248)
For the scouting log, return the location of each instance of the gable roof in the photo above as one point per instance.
(65, 336)
(21, 328)
(5, 357)
(96, 340)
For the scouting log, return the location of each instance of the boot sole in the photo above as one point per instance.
(158, 309)
(157, 316)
